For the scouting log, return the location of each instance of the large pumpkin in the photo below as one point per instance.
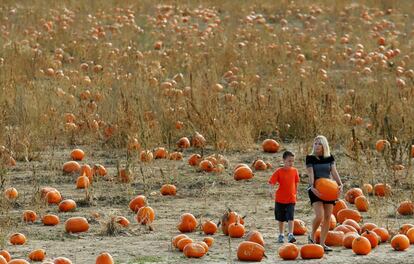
(361, 246)
(255, 236)
(76, 225)
(327, 188)
(348, 214)
(288, 251)
(299, 227)
(194, 250)
(270, 146)
(400, 242)
(104, 258)
(353, 193)
(311, 251)
(145, 215)
(250, 251)
(188, 223)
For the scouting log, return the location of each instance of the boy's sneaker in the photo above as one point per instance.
(281, 239)
(291, 238)
(327, 249)
(310, 240)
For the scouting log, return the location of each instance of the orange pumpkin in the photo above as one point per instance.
(381, 189)
(194, 159)
(348, 214)
(361, 246)
(17, 239)
(209, 227)
(123, 221)
(76, 225)
(373, 238)
(288, 251)
(67, 205)
(333, 238)
(327, 188)
(146, 156)
(37, 255)
(3, 260)
(236, 230)
(188, 223)
(345, 228)
(53, 197)
(259, 165)
(11, 193)
(299, 227)
(6, 255)
(406, 208)
(183, 143)
(194, 250)
(361, 203)
(353, 193)
(410, 235)
(204, 245)
(174, 240)
(176, 155)
(160, 153)
(332, 222)
(29, 216)
(50, 220)
(99, 170)
(311, 251)
(71, 166)
(367, 188)
(168, 189)
(145, 215)
(138, 202)
(349, 238)
(82, 182)
(255, 236)
(400, 242)
(339, 205)
(206, 165)
(228, 218)
(86, 170)
(352, 223)
(18, 261)
(250, 251)
(381, 144)
(405, 227)
(209, 241)
(62, 260)
(382, 233)
(270, 146)
(104, 258)
(368, 226)
(198, 140)
(183, 242)
(243, 173)
(77, 154)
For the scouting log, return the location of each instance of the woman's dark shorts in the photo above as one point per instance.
(313, 198)
(284, 212)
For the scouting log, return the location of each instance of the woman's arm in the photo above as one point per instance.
(336, 177)
(312, 181)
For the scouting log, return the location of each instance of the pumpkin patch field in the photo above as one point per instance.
(144, 132)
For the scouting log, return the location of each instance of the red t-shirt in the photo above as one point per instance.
(288, 179)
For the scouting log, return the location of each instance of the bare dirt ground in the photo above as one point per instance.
(204, 195)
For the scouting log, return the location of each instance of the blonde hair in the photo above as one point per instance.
(325, 145)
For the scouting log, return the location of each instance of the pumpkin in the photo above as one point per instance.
(204, 245)
(17, 239)
(361, 203)
(259, 165)
(160, 153)
(361, 246)
(353, 193)
(62, 260)
(410, 235)
(146, 156)
(188, 223)
(368, 226)
(327, 188)
(184, 242)
(104, 258)
(382, 233)
(168, 189)
(381, 189)
(250, 251)
(18, 261)
(270, 146)
(50, 220)
(228, 218)
(11, 193)
(122, 221)
(194, 159)
(255, 236)
(138, 202)
(99, 170)
(209, 241)
(145, 215)
(176, 155)
(198, 140)
(71, 166)
(311, 251)
(381, 144)
(53, 197)
(194, 250)
(333, 238)
(367, 188)
(29, 216)
(400, 242)
(404, 228)
(299, 227)
(3, 260)
(236, 230)
(82, 182)
(345, 228)
(77, 154)
(288, 251)
(209, 227)
(243, 173)
(339, 205)
(37, 255)
(86, 170)
(45, 190)
(373, 238)
(332, 222)
(76, 225)
(206, 165)
(349, 238)
(174, 240)
(348, 214)
(352, 223)
(6, 255)
(406, 208)
(183, 143)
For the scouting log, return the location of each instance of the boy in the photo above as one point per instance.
(285, 196)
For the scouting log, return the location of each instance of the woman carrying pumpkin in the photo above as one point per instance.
(321, 164)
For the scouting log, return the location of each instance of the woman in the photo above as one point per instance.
(321, 164)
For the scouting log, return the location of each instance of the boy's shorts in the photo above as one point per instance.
(313, 198)
(284, 212)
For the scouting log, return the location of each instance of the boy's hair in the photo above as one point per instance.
(287, 154)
